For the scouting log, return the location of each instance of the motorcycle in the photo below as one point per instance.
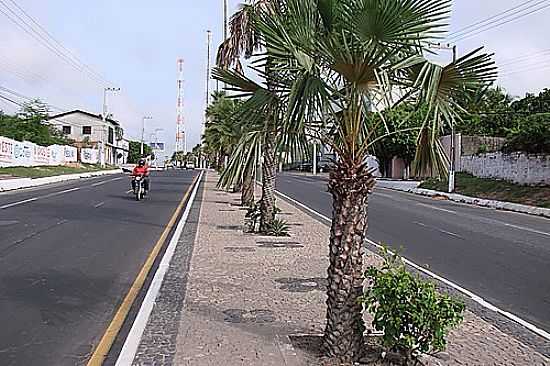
(139, 187)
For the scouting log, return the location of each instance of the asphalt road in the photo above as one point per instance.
(68, 255)
(501, 256)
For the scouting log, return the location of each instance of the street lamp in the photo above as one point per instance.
(104, 117)
(143, 132)
(452, 165)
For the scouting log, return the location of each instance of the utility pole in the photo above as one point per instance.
(207, 88)
(452, 164)
(142, 151)
(225, 20)
(314, 167)
(104, 117)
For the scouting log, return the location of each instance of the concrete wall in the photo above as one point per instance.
(471, 145)
(516, 167)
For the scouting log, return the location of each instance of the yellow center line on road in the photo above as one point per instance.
(104, 345)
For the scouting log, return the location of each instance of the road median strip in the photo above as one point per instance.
(106, 342)
(474, 297)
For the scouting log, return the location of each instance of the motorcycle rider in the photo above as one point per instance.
(141, 170)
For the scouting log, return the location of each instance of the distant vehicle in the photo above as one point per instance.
(305, 167)
(190, 166)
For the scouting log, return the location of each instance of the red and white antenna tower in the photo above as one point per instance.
(181, 145)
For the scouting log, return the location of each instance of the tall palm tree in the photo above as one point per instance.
(243, 41)
(343, 60)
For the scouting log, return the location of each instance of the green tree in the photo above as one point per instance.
(134, 153)
(336, 61)
(30, 124)
(403, 124)
(487, 112)
(532, 135)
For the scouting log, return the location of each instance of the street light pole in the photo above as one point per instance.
(104, 117)
(452, 163)
(143, 133)
(314, 169)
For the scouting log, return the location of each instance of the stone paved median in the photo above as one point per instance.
(247, 296)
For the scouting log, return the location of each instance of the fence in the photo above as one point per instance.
(17, 153)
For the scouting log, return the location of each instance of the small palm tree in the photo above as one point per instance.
(341, 62)
(222, 131)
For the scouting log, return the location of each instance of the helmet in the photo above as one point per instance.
(141, 162)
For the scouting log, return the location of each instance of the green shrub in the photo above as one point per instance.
(413, 316)
(532, 135)
(278, 228)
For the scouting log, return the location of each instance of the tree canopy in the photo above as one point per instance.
(30, 124)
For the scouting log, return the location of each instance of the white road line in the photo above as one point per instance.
(471, 295)
(438, 229)
(37, 198)
(99, 205)
(520, 227)
(128, 352)
(435, 208)
(105, 182)
(384, 195)
(17, 203)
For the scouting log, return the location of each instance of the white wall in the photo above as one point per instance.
(515, 167)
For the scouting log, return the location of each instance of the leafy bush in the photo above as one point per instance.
(278, 228)
(532, 135)
(414, 317)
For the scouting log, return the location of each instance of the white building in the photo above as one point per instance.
(86, 129)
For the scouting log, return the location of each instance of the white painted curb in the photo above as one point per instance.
(22, 183)
(499, 205)
(128, 352)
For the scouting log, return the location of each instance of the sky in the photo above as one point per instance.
(135, 44)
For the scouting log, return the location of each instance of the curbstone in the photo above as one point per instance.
(499, 205)
(22, 183)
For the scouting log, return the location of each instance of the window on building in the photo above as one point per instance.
(111, 135)
(66, 130)
(87, 130)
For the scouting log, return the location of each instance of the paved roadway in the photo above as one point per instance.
(68, 258)
(502, 256)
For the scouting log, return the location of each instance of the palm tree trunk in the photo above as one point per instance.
(350, 186)
(247, 193)
(269, 174)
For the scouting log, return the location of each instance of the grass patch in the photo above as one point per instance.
(494, 189)
(48, 171)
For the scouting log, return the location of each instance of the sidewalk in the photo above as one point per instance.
(247, 294)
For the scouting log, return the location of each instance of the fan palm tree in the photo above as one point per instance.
(342, 60)
(243, 41)
(222, 131)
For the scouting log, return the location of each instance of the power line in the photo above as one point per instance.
(539, 63)
(525, 57)
(481, 22)
(51, 37)
(37, 36)
(27, 98)
(455, 37)
(512, 72)
(10, 100)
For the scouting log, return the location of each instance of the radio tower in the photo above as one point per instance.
(180, 125)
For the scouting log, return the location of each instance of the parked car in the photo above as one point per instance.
(305, 167)
(190, 166)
